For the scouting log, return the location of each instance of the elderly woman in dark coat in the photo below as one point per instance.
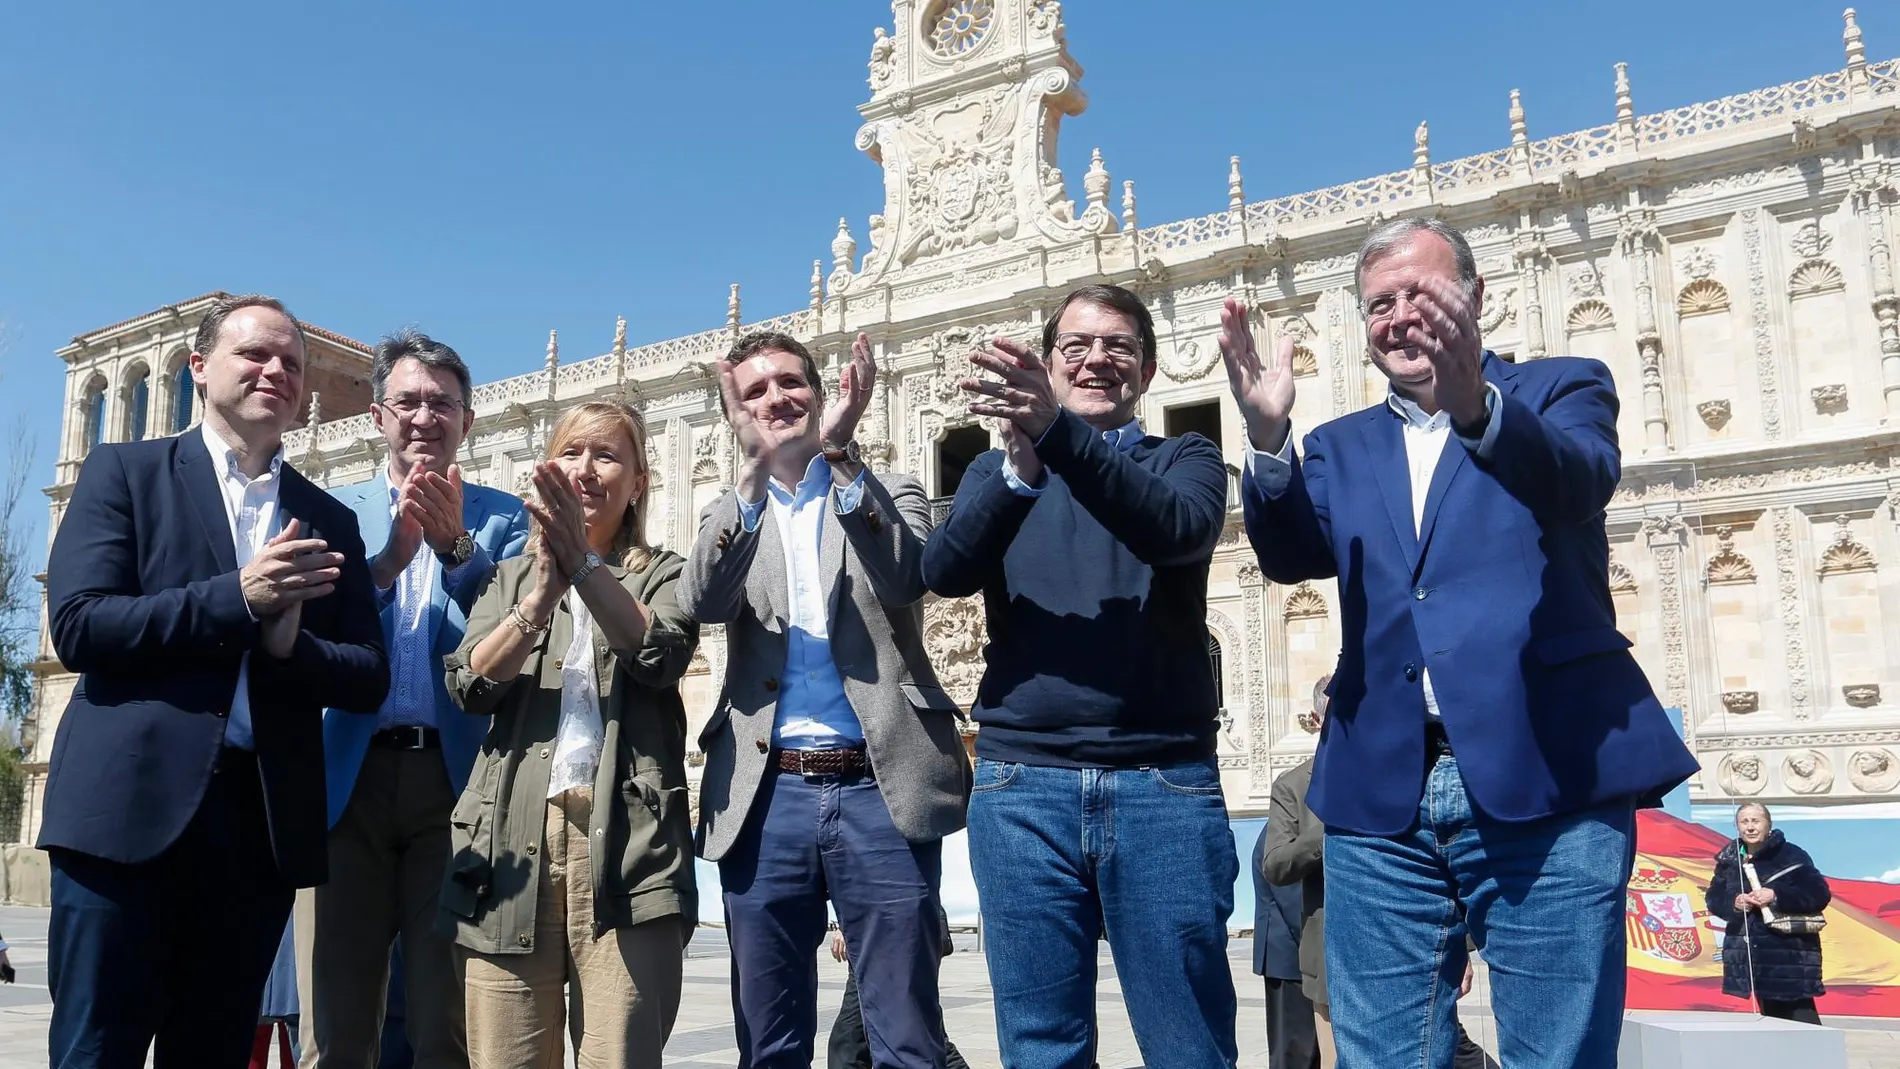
(1781, 972)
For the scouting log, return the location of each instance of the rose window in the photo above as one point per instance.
(960, 26)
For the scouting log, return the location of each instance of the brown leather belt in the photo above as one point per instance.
(828, 762)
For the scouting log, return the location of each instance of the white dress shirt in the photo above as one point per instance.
(251, 507)
(813, 711)
(1425, 440)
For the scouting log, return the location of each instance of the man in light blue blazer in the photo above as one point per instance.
(393, 778)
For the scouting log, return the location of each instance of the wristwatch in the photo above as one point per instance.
(847, 453)
(588, 564)
(460, 551)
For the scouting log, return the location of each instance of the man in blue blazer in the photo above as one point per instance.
(394, 777)
(213, 601)
(1489, 735)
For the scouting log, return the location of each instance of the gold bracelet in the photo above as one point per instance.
(521, 623)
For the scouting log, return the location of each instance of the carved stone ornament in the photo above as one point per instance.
(1588, 315)
(1861, 695)
(1189, 360)
(656, 467)
(1830, 399)
(1622, 580)
(1728, 566)
(1741, 774)
(1304, 602)
(1846, 554)
(1699, 263)
(882, 63)
(1874, 771)
(1702, 297)
(1741, 701)
(954, 635)
(1810, 241)
(1305, 364)
(957, 28)
(1807, 772)
(1715, 413)
(1814, 277)
(1045, 18)
(1499, 309)
(1582, 280)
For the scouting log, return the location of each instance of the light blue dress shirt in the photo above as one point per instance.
(411, 701)
(813, 712)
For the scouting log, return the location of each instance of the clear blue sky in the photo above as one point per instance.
(488, 171)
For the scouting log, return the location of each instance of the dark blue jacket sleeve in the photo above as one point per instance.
(1723, 888)
(1799, 887)
(966, 551)
(348, 668)
(98, 615)
(1165, 517)
(1562, 462)
(1291, 534)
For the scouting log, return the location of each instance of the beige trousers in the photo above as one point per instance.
(387, 857)
(623, 991)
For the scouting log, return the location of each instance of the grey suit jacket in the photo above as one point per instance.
(871, 558)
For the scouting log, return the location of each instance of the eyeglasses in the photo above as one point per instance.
(1076, 346)
(1382, 305)
(409, 406)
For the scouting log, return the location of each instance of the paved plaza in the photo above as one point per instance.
(703, 1037)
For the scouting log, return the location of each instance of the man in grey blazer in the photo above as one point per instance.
(833, 764)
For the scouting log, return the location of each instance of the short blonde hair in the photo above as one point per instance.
(1765, 814)
(630, 544)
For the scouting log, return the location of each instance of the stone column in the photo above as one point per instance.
(1532, 257)
(1760, 315)
(1870, 184)
(1794, 629)
(1637, 238)
(1259, 671)
(1667, 537)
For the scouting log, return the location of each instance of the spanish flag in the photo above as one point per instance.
(1675, 945)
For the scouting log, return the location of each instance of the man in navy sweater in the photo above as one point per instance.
(1097, 799)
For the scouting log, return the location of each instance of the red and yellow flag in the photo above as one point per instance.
(1675, 944)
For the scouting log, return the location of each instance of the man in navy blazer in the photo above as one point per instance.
(213, 601)
(394, 777)
(1489, 735)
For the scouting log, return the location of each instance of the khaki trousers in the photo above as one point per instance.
(387, 857)
(623, 991)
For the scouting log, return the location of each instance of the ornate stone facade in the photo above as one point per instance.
(1730, 261)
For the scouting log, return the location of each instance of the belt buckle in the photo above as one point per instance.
(804, 769)
(415, 740)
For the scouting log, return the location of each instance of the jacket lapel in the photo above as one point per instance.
(766, 583)
(1386, 441)
(372, 515)
(198, 478)
(1454, 461)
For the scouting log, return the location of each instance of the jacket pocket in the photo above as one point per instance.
(925, 696)
(471, 855)
(1571, 645)
(659, 836)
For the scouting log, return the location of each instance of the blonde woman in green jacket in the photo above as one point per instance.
(571, 856)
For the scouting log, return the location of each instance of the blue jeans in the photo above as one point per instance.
(809, 838)
(1059, 855)
(1542, 900)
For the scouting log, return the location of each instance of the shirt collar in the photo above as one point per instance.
(225, 459)
(1407, 409)
(815, 484)
(1124, 437)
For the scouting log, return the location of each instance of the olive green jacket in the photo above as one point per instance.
(641, 835)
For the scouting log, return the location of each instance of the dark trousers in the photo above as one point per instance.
(1801, 1009)
(807, 839)
(850, 1048)
(1467, 1054)
(170, 954)
(1292, 1037)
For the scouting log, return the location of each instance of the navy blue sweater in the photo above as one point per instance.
(1096, 598)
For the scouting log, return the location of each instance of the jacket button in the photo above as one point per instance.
(1420, 593)
(531, 849)
(722, 542)
(771, 682)
(544, 751)
(522, 939)
(763, 747)
(1411, 672)
(557, 662)
(875, 521)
